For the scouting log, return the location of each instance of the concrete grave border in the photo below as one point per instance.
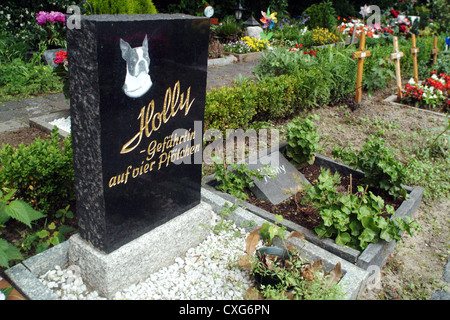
(375, 254)
(24, 276)
(393, 100)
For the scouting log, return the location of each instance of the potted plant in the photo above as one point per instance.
(281, 272)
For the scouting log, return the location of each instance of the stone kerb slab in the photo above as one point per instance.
(375, 254)
(354, 280)
(25, 275)
(394, 101)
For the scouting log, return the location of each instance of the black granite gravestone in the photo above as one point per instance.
(137, 97)
(284, 182)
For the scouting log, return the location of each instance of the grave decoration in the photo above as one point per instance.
(137, 90)
(396, 56)
(360, 55)
(414, 50)
(435, 50)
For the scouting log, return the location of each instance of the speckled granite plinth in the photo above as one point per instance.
(138, 259)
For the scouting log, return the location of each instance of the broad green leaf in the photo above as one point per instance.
(3, 217)
(364, 211)
(8, 252)
(23, 212)
(43, 234)
(355, 227)
(321, 230)
(343, 238)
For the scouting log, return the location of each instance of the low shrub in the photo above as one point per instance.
(41, 173)
(378, 164)
(303, 139)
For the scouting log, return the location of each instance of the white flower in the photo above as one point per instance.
(411, 81)
(365, 11)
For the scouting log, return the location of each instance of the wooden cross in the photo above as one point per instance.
(414, 50)
(360, 55)
(396, 56)
(435, 50)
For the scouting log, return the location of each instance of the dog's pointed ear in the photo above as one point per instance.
(145, 43)
(124, 47)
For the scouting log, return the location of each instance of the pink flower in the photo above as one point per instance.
(41, 18)
(54, 16)
(57, 17)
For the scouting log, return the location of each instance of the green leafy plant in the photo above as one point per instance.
(122, 7)
(269, 231)
(354, 219)
(378, 77)
(23, 79)
(298, 279)
(51, 235)
(20, 211)
(303, 139)
(235, 181)
(378, 164)
(282, 272)
(41, 173)
(321, 15)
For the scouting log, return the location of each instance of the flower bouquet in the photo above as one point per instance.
(62, 70)
(432, 94)
(53, 23)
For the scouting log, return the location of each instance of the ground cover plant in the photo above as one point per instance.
(281, 273)
(37, 190)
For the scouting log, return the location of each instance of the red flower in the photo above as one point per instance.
(60, 57)
(394, 13)
(403, 28)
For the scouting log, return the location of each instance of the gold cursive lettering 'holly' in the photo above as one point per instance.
(151, 121)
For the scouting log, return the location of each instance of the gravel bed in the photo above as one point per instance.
(62, 123)
(209, 271)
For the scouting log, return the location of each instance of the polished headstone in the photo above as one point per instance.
(134, 80)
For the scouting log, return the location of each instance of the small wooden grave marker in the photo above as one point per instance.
(396, 56)
(360, 55)
(435, 50)
(414, 50)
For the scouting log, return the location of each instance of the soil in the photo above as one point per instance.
(25, 136)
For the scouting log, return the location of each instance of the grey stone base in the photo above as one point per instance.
(138, 259)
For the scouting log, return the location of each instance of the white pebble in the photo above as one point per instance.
(207, 271)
